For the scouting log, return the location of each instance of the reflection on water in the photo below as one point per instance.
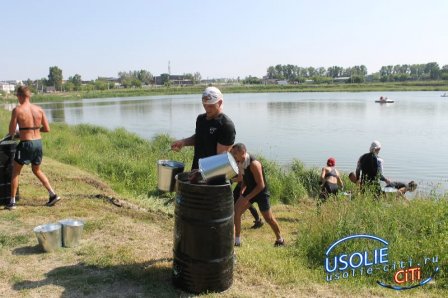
(306, 126)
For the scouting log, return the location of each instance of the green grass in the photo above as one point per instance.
(414, 230)
(11, 241)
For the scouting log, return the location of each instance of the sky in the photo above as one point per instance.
(218, 39)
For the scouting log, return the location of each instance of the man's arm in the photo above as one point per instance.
(358, 169)
(222, 148)
(13, 123)
(179, 144)
(45, 125)
(380, 171)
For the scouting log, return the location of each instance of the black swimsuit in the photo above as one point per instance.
(328, 187)
(29, 128)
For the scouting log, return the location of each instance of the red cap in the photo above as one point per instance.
(331, 162)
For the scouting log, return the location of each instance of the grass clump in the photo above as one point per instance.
(416, 230)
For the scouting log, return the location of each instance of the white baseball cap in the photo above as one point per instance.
(211, 95)
(375, 145)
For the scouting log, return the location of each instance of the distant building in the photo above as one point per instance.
(267, 81)
(109, 79)
(10, 86)
(174, 79)
(341, 79)
(50, 89)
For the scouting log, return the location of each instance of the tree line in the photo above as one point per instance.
(126, 79)
(354, 74)
(290, 73)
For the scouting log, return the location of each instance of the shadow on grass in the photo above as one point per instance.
(148, 279)
(27, 250)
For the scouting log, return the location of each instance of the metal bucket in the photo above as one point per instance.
(49, 236)
(71, 232)
(167, 170)
(218, 166)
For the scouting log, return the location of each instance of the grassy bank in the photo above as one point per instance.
(130, 249)
(308, 87)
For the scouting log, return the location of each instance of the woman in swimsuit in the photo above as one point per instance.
(330, 180)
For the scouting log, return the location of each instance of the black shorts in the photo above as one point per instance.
(29, 152)
(262, 199)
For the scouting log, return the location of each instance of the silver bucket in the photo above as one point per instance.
(218, 166)
(71, 232)
(167, 170)
(49, 236)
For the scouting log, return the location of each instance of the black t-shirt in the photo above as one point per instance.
(369, 167)
(396, 185)
(210, 132)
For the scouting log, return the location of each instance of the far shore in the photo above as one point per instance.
(441, 86)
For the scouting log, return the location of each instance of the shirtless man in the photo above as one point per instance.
(32, 121)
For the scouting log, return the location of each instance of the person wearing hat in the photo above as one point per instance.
(215, 131)
(369, 169)
(330, 180)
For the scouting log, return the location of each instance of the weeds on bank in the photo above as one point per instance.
(415, 230)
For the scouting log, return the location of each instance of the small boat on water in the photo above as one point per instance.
(384, 100)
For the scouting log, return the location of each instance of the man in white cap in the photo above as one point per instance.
(215, 131)
(370, 167)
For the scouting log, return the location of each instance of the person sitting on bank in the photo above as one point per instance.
(32, 121)
(254, 189)
(402, 188)
(330, 180)
(352, 177)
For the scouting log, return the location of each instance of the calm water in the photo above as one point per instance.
(307, 126)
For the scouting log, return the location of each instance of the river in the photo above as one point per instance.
(307, 126)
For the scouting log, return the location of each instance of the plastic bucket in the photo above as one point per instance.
(49, 236)
(218, 166)
(71, 232)
(167, 171)
(203, 237)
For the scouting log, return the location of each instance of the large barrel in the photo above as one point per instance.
(7, 151)
(203, 236)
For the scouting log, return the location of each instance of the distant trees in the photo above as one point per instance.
(444, 72)
(135, 78)
(358, 73)
(73, 83)
(250, 80)
(413, 72)
(165, 78)
(55, 77)
(294, 73)
(195, 78)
